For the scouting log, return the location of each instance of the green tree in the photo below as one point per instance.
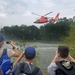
(57, 30)
(70, 40)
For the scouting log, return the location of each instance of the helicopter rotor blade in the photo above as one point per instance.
(48, 13)
(35, 14)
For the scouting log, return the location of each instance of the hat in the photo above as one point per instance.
(1, 38)
(30, 52)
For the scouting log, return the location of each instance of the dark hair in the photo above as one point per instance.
(63, 51)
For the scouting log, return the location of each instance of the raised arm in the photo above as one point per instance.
(55, 57)
(18, 59)
(14, 49)
(71, 58)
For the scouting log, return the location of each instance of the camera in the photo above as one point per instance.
(8, 42)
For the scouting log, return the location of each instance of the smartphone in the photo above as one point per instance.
(7, 42)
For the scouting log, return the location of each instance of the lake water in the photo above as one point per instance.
(46, 53)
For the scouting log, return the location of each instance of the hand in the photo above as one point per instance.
(57, 54)
(55, 58)
(12, 43)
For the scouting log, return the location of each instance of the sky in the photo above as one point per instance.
(18, 12)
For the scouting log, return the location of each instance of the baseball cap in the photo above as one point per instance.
(1, 38)
(30, 53)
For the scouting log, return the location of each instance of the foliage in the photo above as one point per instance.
(36, 60)
(20, 45)
(71, 39)
(57, 30)
(49, 31)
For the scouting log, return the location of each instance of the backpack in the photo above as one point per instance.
(5, 64)
(65, 68)
(34, 72)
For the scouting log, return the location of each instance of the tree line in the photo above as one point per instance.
(49, 31)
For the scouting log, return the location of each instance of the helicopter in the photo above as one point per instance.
(44, 19)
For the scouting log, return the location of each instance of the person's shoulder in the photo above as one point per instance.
(10, 52)
(9, 49)
(18, 65)
(37, 70)
(35, 67)
(52, 66)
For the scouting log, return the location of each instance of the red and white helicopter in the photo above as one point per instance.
(44, 19)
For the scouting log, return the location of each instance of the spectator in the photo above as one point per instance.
(26, 67)
(11, 53)
(5, 55)
(61, 55)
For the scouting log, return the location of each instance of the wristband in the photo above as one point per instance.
(13, 47)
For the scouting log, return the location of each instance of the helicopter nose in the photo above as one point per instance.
(35, 22)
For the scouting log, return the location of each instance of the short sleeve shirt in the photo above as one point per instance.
(51, 68)
(10, 52)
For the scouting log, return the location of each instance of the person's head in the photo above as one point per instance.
(30, 53)
(63, 51)
(1, 40)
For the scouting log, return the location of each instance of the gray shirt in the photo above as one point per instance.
(27, 69)
(51, 68)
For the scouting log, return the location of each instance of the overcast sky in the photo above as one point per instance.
(17, 12)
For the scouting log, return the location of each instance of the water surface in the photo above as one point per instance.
(46, 53)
